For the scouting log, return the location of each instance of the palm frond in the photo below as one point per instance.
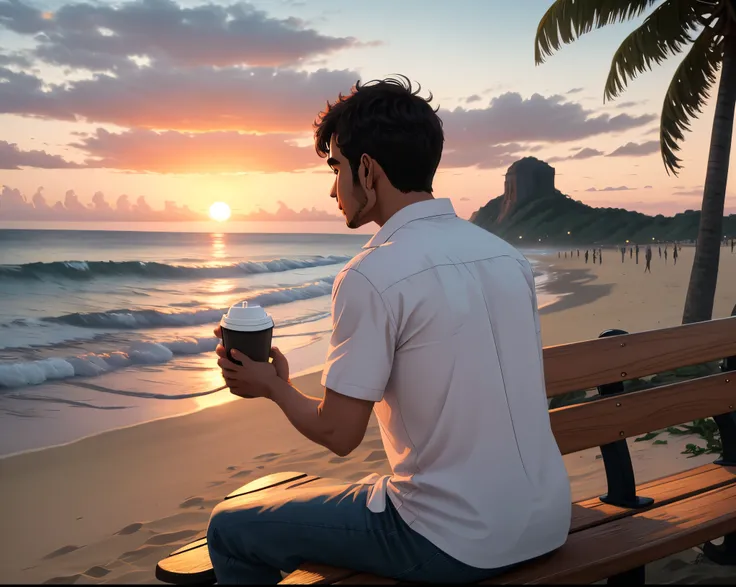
(687, 93)
(663, 33)
(566, 20)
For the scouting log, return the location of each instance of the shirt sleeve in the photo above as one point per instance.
(363, 341)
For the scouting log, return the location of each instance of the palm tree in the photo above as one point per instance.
(707, 30)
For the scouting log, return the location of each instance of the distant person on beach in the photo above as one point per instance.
(733, 243)
(600, 256)
(674, 256)
(648, 259)
(454, 386)
(665, 255)
(578, 252)
(594, 256)
(565, 254)
(631, 253)
(586, 257)
(623, 253)
(660, 251)
(637, 254)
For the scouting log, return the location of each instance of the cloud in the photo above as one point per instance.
(628, 104)
(485, 157)
(473, 98)
(100, 36)
(487, 137)
(696, 191)
(575, 91)
(214, 152)
(647, 187)
(585, 153)
(286, 214)
(636, 149)
(464, 199)
(12, 157)
(15, 58)
(196, 99)
(16, 206)
(621, 188)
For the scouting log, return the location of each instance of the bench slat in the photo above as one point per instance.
(584, 365)
(628, 543)
(586, 514)
(613, 418)
(593, 512)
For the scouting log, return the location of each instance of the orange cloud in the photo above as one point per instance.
(213, 152)
(195, 99)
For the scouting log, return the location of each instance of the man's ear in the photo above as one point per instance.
(367, 176)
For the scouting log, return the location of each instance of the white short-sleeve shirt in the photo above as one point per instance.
(436, 320)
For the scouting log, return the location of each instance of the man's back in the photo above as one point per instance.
(464, 416)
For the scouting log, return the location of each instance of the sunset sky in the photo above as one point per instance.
(187, 103)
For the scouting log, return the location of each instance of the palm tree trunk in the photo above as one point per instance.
(701, 291)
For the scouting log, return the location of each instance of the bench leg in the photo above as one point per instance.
(635, 576)
(723, 554)
(617, 459)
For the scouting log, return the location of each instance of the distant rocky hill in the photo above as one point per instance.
(533, 209)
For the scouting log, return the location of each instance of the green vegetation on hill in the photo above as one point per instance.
(551, 218)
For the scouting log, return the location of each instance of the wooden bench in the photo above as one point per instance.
(612, 536)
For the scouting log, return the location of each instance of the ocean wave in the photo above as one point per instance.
(127, 319)
(26, 373)
(97, 269)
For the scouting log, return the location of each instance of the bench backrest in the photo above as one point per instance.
(585, 365)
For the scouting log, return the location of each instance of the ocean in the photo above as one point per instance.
(106, 329)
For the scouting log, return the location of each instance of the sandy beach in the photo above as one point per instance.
(105, 509)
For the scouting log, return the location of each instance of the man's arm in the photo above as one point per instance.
(337, 422)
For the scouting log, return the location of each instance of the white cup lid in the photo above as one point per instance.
(245, 318)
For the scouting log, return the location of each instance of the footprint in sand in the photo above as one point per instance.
(260, 467)
(62, 580)
(337, 460)
(267, 457)
(161, 539)
(191, 502)
(96, 572)
(376, 455)
(62, 551)
(232, 468)
(139, 553)
(241, 474)
(216, 483)
(130, 529)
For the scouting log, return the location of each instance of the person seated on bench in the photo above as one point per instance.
(435, 327)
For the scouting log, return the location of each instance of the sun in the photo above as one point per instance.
(220, 211)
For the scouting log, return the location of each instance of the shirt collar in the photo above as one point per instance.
(416, 211)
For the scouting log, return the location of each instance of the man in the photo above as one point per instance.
(648, 259)
(435, 327)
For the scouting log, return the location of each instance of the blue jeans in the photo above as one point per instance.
(254, 537)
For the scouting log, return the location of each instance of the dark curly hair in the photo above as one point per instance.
(387, 120)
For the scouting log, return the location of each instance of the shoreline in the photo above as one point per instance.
(303, 373)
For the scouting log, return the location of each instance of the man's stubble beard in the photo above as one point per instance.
(353, 223)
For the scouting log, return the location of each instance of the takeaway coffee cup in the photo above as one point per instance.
(248, 329)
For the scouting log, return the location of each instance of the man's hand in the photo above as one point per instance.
(252, 379)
